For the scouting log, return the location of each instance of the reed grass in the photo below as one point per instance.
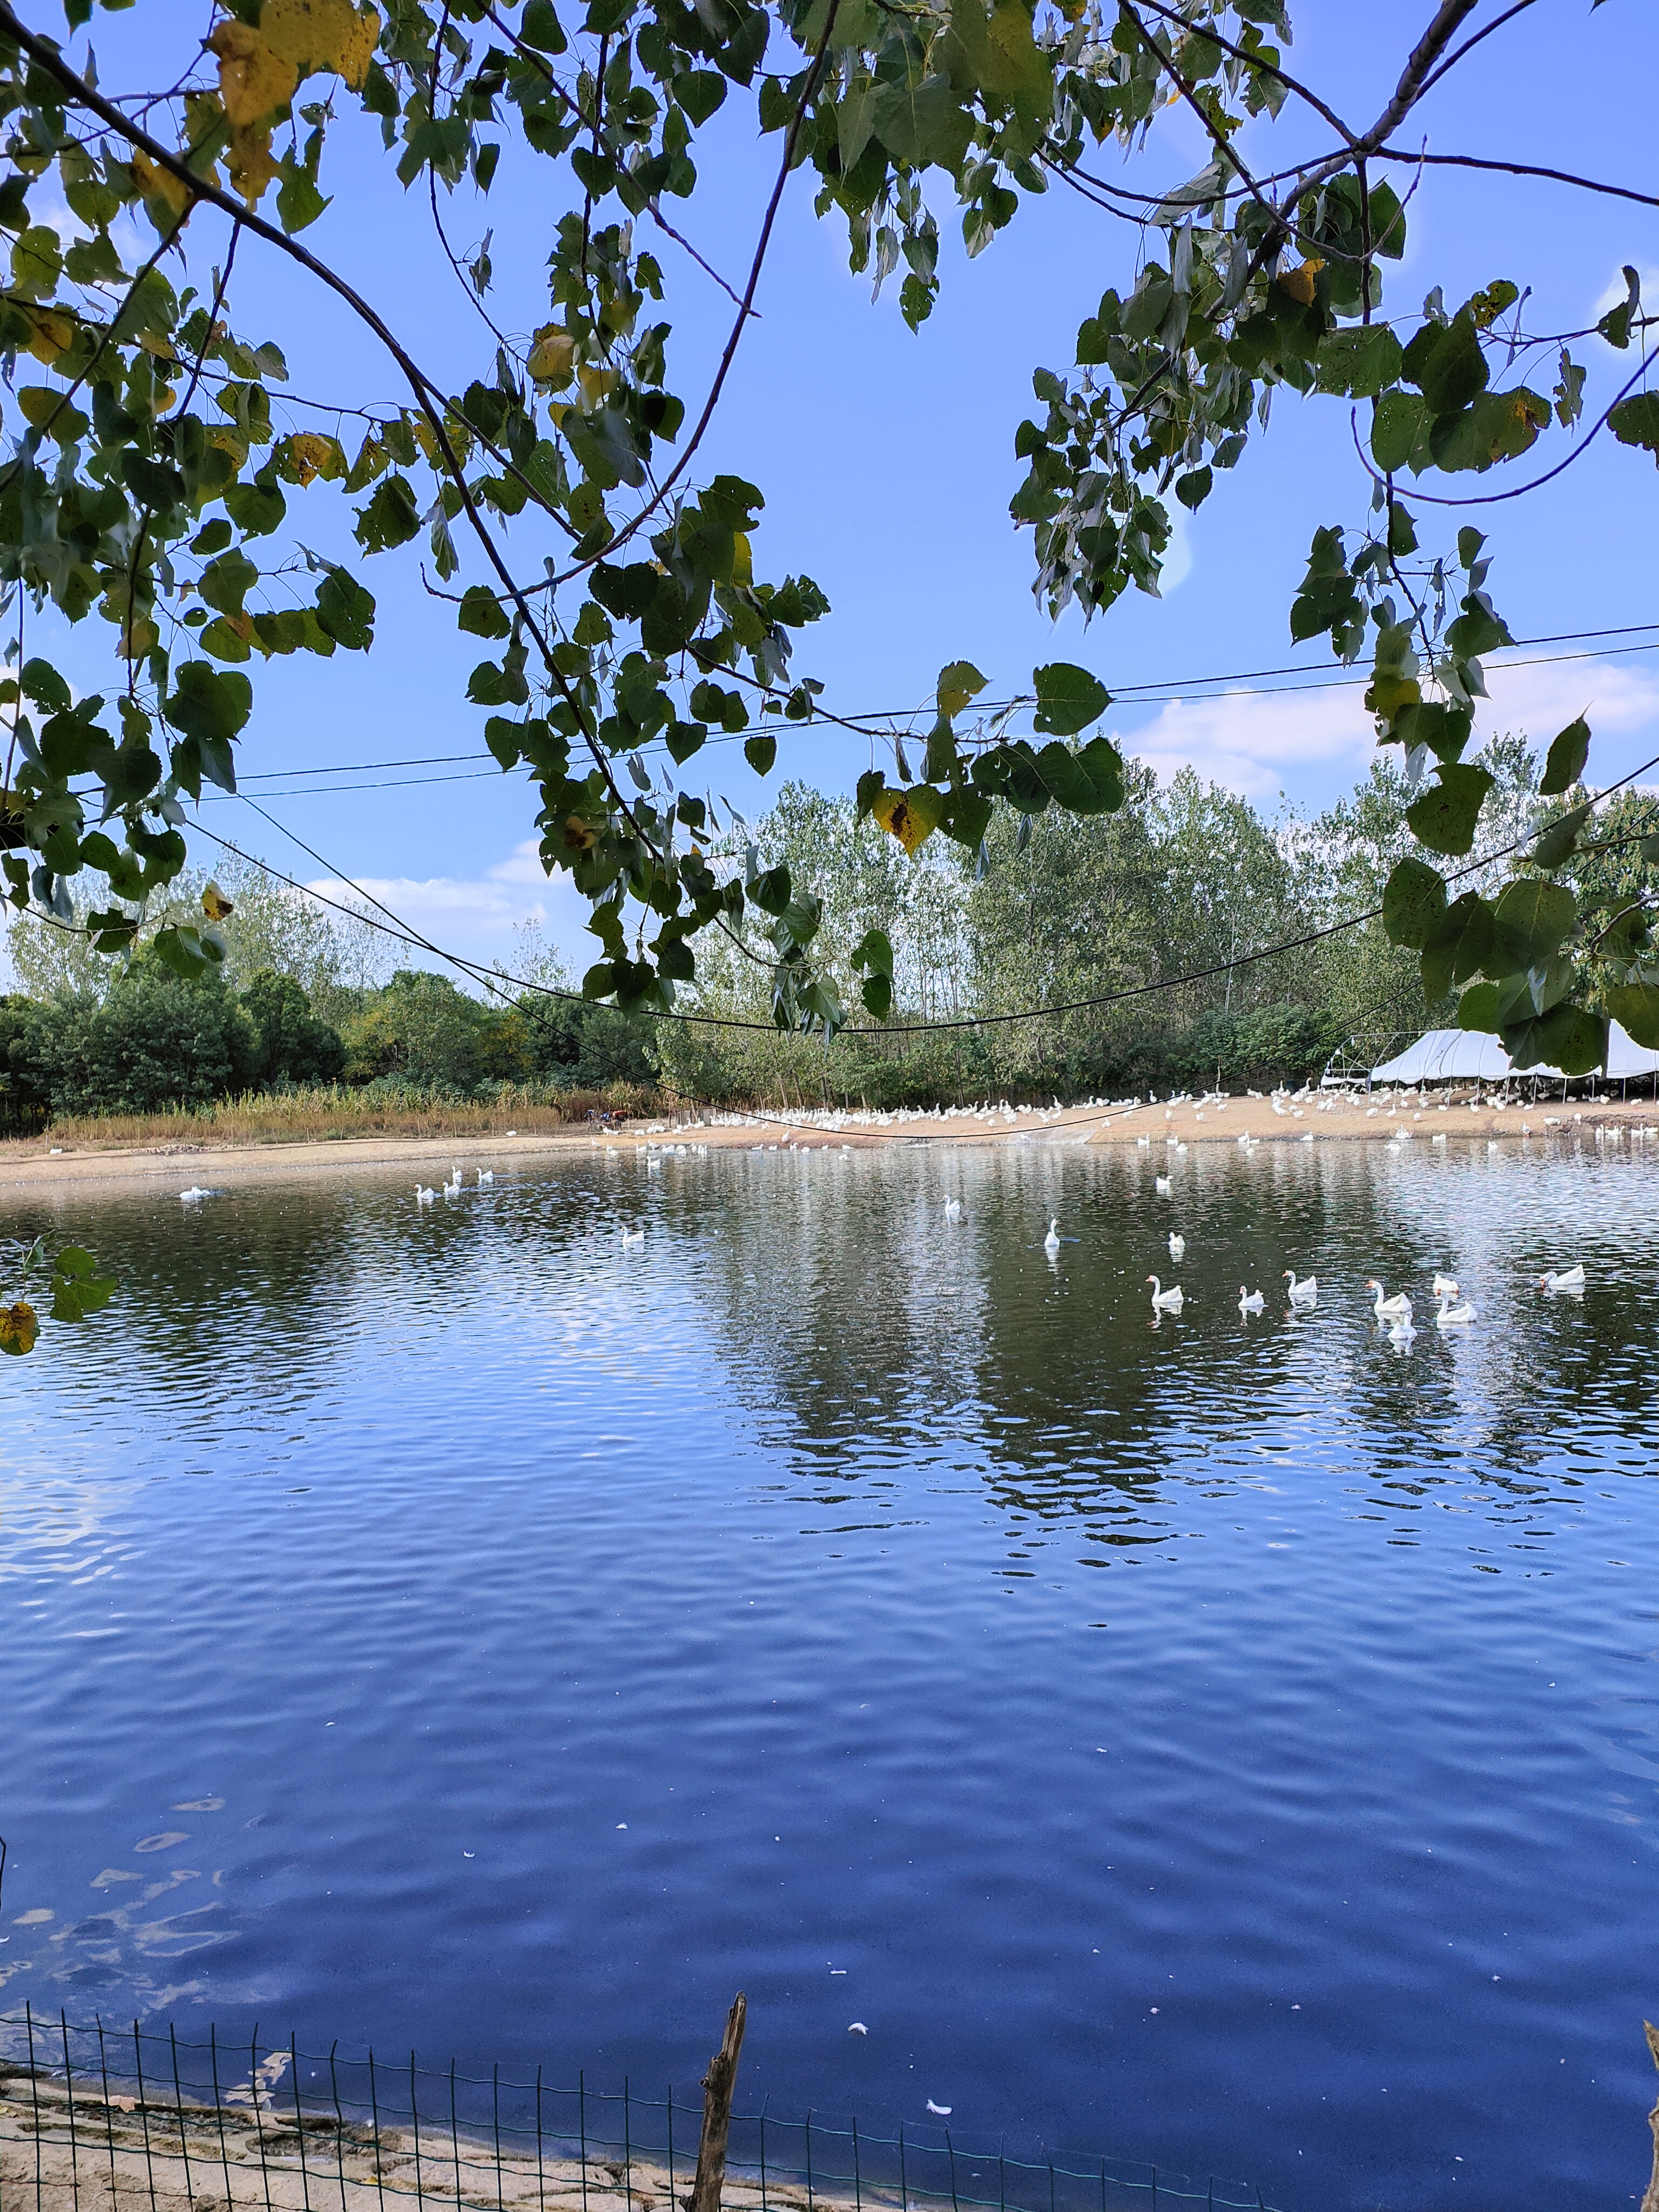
(335, 1112)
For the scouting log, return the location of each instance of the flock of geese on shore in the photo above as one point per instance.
(1394, 1314)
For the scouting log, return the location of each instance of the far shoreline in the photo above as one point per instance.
(35, 1163)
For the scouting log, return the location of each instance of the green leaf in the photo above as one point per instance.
(1360, 362)
(482, 613)
(959, 683)
(1498, 427)
(210, 708)
(346, 611)
(760, 751)
(1635, 422)
(1413, 901)
(1399, 420)
(77, 1288)
(391, 518)
(1635, 1007)
(1069, 698)
(1443, 729)
(299, 203)
(1557, 843)
(967, 817)
(1565, 761)
(1445, 363)
(1458, 946)
(1532, 918)
(871, 785)
(255, 508)
(1445, 817)
(923, 123)
(1568, 1037)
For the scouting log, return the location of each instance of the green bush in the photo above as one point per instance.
(294, 1046)
(156, 1041)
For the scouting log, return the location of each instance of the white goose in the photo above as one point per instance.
(1162, 1185)
(1451, 1316)
(953, 1209)
(1401, 1335)
(632, 1237)
(1563, 1279)
(1250, 1302)
(1443, 1285)
(486, 1175)
(1304, 1293)
(1169, 1301)
(1177, 1245)
(1398, 1307)
(424, 1197)
(1051, 1241)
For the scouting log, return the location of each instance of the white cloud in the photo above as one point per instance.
(1261, 742)
(475, 916)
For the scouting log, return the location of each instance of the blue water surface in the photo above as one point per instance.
(1229, 1741)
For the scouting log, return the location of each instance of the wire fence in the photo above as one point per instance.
(102, 2119)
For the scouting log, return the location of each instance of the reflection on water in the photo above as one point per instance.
(1230, 1738)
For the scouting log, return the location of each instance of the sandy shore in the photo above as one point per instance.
(33, 1163)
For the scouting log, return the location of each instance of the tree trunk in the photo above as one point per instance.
(718, 2085)
(1650, 2202)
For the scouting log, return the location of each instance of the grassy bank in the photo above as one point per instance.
(337, 1112)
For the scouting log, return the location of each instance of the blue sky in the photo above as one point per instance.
(886, 459)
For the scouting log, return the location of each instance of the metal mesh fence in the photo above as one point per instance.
(133, 2119)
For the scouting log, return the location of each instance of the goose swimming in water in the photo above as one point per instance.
(1051, 1241)
(1443, 1285)
(1563, 1279)
(633, 1236)
(1397, 1308)
(953, 1209)
(1177, 1245)
(1451, 1316)
(1250, 1302)
(424, 1197)
(1304, 1293)
(1169, 1301)
(1162, 1185)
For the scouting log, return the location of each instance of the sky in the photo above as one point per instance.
(886, 461)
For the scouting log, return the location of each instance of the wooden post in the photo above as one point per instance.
(718, 2085)
(1650, 2202)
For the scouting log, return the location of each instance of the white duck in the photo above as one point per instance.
(1051, 1241)
(1251, 1301)
(1563, 1279)
(1162, 1185)
(1177, 1245)
(1304, 1293)
(1169, 1301)
(1398, 1307)
(1451, 1316)
(953, 1209)
(1444, 1286)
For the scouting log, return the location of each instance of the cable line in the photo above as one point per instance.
(494, 978)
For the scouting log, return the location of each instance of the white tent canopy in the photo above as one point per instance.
(1471, 1056)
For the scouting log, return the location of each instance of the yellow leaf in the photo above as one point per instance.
(247, 159)
(912, 816)
(18, 1327)
(552, 356)
(228, 442)
(598, 384)
(158, 184)
(579, 836)
(255, 81)
(312, 453)
(158, 349)
(1299, 283)
(215, 905)
(322, 35)
(742, 561)
(1389, 693)
(53, 333)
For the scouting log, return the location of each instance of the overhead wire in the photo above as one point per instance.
(1169, 691)
(495, 979)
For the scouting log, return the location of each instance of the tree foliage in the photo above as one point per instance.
(159, 469)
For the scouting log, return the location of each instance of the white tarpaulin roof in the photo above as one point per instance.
(1471, 1056)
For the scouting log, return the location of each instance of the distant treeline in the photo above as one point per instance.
(1184, 941)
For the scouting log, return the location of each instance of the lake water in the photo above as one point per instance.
(1229, 1742)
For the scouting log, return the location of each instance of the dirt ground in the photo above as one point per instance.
(1457, 1114)
(123, 2156)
